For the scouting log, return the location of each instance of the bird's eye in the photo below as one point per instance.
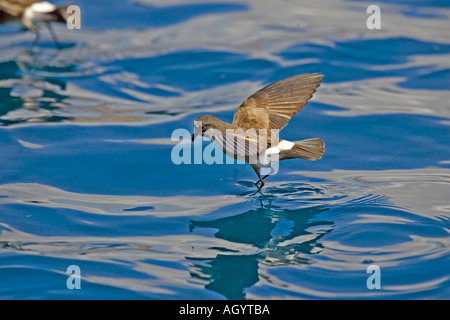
(203, 128)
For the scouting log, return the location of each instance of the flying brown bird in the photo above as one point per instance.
(33, 14)
(252, 136)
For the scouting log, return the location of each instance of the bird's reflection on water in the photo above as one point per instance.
(282, 236)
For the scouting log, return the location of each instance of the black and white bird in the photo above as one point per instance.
(33, 14)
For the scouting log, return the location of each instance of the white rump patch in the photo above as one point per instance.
(43, 7)
(285, 145)
(281, 146)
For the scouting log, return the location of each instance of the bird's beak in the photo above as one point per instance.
(197, 130)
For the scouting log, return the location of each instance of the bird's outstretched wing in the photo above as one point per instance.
(273, 106)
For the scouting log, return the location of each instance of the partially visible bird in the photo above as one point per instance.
(33, 14)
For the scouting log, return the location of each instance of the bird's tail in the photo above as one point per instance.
(61, 13)
(310, 149)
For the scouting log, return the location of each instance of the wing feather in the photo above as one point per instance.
(274, 105)
(239, 144)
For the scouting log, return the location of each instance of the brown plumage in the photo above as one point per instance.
(274, 105)
(13, 9)
(257, 121)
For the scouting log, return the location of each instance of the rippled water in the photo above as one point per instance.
(86, 176)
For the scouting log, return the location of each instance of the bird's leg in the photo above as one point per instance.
(261, 185)
(35, 41)
(257, 170)
(262, 178)
(52, 33)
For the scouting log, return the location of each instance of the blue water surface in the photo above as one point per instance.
(86, 170)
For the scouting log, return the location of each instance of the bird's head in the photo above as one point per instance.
(203, 124)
